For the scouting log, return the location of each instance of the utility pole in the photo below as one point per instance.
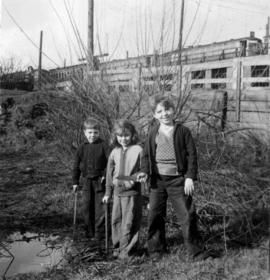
(90, 42)
(90, 58)
(40, 60)
(238, 91)
(179, 62)
(181, 32)
(267, 37)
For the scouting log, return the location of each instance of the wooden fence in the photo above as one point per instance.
(236, 90)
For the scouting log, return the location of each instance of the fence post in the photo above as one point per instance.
(238, 91)
(140, 93)
(224, 110)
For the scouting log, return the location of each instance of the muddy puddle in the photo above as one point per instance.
(30, 252)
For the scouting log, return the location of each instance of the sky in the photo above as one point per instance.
(121, 27)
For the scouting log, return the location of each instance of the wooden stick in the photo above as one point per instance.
(106, 228)
(75, 213)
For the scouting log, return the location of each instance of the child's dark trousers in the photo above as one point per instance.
(93, 208)
(172, 187)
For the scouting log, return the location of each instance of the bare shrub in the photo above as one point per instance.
(233, 195)
(89, 96)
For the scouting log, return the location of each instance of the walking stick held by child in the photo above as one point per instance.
(75, 190)
(107, 227)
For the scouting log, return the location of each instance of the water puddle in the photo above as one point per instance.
(29, 252)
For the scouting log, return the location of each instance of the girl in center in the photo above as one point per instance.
(123, 165)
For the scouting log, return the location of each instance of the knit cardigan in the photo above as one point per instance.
(185, 152)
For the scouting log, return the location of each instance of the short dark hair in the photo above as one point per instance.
(162, 100)
(120, 127)
(91, 123)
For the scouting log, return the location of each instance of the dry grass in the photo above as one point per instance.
(233, 193)
(242, 264)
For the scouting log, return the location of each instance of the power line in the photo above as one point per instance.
(234, 8)
(75, 29)
(199, 37)
(245, 4)
(27, 36)
(193, 21)
(67, 35)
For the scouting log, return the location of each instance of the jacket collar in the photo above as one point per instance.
(156, 127)
(99, 140)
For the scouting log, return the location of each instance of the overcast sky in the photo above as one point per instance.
(136, 26)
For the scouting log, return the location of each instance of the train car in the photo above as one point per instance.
(127, 63)
(23, 80)
(241, 47)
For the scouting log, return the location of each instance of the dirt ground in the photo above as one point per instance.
(33, 189)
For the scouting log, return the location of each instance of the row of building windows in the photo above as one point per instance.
(213, 86)
(148, 88)
(66, 74)
(216, 73)
(256, 71)
(165, 80)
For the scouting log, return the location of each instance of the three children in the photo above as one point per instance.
(168, 160)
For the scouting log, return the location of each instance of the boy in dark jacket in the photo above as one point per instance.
(170, 160)
(90, 164)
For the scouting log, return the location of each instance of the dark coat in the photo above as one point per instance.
(185, 152)
(90, 161)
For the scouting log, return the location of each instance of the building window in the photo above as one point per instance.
(219, 73)
(260, 71)
(260, 84)
(196, 86)
(150, 78)
(166, 77)
(198, 74)
(254, 48)
(218, 85)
